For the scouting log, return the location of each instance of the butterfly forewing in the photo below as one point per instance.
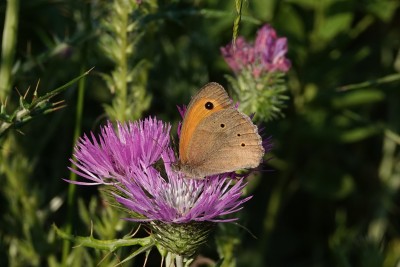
(210, 99)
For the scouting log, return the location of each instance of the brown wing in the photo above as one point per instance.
(226, 141)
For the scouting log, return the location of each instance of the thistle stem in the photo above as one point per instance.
(8, 47)
(122, 64)
(173, 260)
(179, 261)
(169, 260)
(71, 200)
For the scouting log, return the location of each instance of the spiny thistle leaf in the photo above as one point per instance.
(109, 245)
(39, 105)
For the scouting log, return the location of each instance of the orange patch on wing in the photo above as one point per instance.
(193, 117)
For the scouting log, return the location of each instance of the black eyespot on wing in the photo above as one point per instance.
(238, 134)
(209, 105)
(222, 125)
(243, 144)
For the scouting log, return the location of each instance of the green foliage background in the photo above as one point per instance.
(332, 195)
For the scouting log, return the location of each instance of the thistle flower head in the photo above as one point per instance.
(266, 55)
(174, 199)
(112, 157)
(259, 70)
(271, 50)
(239, 55)
(125, 160)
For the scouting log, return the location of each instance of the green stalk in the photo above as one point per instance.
(8, 47)
(72, 175)
(71, 198)
(236, 24)
(179, 261)
(122, 92)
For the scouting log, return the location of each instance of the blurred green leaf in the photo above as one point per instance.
(386, 79)
(357, 98)
(359, 133)
(383, 9)
(335, 24)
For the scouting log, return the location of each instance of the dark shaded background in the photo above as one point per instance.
(331, 195)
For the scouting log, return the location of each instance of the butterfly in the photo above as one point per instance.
(215, 137)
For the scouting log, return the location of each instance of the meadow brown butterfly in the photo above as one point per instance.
(215, 137)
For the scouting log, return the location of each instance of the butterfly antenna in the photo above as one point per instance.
(262, 168)
(160, 161)
(174, 146)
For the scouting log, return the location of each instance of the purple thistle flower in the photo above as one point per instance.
(180, 200)
(271, 50)
(238, 56)
(126, 160)
(266, 55)
(111, 158)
